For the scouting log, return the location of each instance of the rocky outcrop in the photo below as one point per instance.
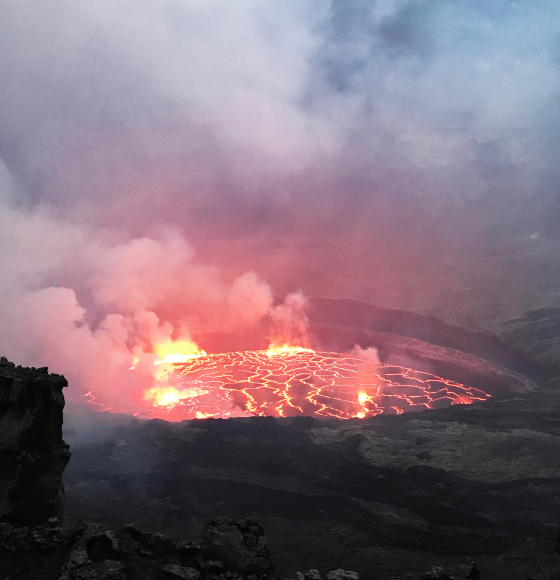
(33, 454)
(239, 544)
(86, 551)
(131, 553)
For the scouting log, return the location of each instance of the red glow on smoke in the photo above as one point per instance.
(287, 381)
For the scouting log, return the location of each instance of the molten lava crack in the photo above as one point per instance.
(291, 382)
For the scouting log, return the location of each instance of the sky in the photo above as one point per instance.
(133, 132)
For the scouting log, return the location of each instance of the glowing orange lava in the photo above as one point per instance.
(289, 381)
(177, 351)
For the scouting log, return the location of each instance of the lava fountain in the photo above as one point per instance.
(286, 381)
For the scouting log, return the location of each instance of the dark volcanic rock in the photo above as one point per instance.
(239, 544)
(537, 333)
(465, 480)
(130, 553)
(37, 552)
(33, 454)
(87, 552)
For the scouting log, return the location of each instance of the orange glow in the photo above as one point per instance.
(170, 396)
(177, 351)
(199, 415)
(462, 400)
(180, 381)
(283, 381)
(286, 349)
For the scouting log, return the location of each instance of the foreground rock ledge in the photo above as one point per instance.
(230, 549)
(33, 454)
(87, 552)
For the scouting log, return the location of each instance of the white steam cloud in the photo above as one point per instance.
(369, 354)
(83, 302)
(289, 322)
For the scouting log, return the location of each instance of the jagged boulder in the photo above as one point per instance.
(87, 552)
(341, 574)
(239, 544)
(436, 573)
(130, 553)
(33, 454)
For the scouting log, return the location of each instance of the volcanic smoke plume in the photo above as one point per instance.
(121, 322)
(181, 168)
(112, 306)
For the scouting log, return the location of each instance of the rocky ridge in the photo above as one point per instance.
(33, 454)
(228, 550)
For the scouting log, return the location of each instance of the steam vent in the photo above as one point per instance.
(33, 454)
